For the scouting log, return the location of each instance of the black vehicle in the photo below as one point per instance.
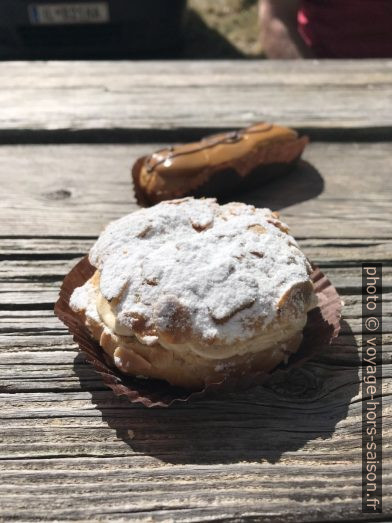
(85, 28)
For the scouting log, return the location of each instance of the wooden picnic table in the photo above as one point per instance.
(286, 451)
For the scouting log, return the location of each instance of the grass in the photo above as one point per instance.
(222, 29)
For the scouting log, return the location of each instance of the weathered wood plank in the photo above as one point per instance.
(287, 451)
(275, 450)
(31, 348)
(134, 96)
(13, 319)
(28, 345)
(59, 414)
(210, 505)
(326, 251)
(74, 191)
(21, 372)
(219, 454)
(35, 283)
(286, 441)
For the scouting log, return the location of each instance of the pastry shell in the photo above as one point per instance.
(322, 327)
(218, 164)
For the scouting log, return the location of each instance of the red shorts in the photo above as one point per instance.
(347, 28)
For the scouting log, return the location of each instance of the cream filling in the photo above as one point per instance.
(264, 341)
(107, 316)
(259, 343)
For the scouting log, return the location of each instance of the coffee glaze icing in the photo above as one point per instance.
(180, 170)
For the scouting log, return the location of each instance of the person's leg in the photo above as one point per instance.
(279, 33)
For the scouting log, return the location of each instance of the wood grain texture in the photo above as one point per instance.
(31, 279)
(287, 451)
(75, 190)
(88, 97)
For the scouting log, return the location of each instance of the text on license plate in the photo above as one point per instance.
(78, 13)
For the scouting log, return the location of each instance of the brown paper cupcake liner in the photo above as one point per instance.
(322, 327)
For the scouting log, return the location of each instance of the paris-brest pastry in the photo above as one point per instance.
(190, 291)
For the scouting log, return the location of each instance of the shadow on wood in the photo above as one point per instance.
(303, 183)
(292, 410)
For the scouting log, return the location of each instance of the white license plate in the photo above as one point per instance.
(78, 13)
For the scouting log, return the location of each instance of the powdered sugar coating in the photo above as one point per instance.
(214, 269)
(83, 299)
